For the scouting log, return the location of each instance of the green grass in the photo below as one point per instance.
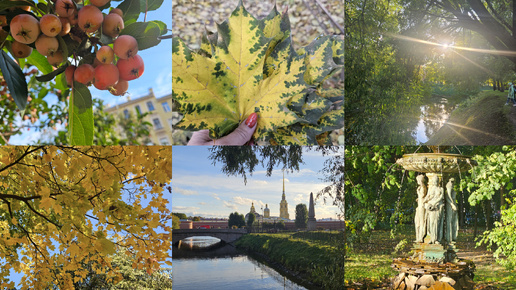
(316, 257)
(375, 267)
(369, 261)
(480, 120)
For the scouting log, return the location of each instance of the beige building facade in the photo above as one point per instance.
(160, 115)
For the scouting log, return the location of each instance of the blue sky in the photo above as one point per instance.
(16, 277)
(200, 188)
(157, 75)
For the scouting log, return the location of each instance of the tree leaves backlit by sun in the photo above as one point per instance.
(250, 65)
(63, 207)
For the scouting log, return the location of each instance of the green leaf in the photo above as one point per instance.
(131, 9)
(81, 116)
(51, 76)
(300, 134)
(61, 85)
(222, 91)
(7, 4)
(150, 5)
(208, 43)
(146, 33)
(338, 49)
(15, 79)
(248, 66)
(40, 62)
(314, 107)
(332, 94)
(162, 26)
(319, 60)
(63, 46)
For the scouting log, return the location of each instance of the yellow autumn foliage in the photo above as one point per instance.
(64, 207)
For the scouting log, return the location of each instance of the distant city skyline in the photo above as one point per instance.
(201, 189)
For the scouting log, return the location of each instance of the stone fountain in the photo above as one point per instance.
(436, 224)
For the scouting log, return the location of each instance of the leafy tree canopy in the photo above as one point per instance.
(242, 160)
(378, 192)
(301, 216)
(236, 219)
(250, 219)
(63, 207)
(132, 278)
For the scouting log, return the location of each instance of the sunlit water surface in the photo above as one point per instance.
(433, 116)
(222, 268)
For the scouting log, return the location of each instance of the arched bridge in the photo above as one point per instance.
(226, 235)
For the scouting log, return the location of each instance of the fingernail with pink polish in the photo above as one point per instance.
(251, 120)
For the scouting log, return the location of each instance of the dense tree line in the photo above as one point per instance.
(381, 195)
(398, 54)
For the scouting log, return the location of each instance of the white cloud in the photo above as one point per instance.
(242, 200)
(184, 191)
(202, 203)
(259, 182)
(229, 205)
(184, 208)
(247, 201)
(300, 198)
(235, 195)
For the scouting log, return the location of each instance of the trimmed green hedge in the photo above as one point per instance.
(319, 260)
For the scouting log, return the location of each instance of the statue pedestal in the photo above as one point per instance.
(431, 263)
(433, 253)
(312, 224)
(459, 275)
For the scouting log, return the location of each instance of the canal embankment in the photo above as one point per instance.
(482, 119)
(316, 259)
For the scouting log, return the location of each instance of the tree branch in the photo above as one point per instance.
(329, 16)
(27, 152)
(41, 215)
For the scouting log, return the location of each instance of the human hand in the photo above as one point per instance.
(240, 136)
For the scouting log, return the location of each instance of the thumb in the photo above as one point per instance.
(242, 134)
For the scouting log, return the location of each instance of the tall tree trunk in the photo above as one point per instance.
(489, 214)
(494, 85)
(502, 197)
(461, 213)
(476, 222)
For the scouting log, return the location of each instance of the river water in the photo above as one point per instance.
(199, 263)
(433, 116)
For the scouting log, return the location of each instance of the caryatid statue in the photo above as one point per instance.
(452, 221)
(434, 205)
(420, 218)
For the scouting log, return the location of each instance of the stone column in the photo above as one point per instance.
(312, 223)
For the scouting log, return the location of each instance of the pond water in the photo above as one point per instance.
(203, 263)
(433, 116)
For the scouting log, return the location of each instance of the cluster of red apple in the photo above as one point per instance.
(102, 73)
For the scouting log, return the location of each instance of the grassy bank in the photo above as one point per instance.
(481, 120)
(314, 257)
(368, 264)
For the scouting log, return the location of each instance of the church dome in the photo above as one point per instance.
(266, 212)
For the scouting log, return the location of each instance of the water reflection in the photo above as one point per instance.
(433, 116)
(203, 248)
(200, 243)
(223, 267)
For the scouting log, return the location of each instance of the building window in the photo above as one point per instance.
(164, 141)
(166, 107)
(157, 124)
(126, 114)
(150, 106)
(137, 108)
